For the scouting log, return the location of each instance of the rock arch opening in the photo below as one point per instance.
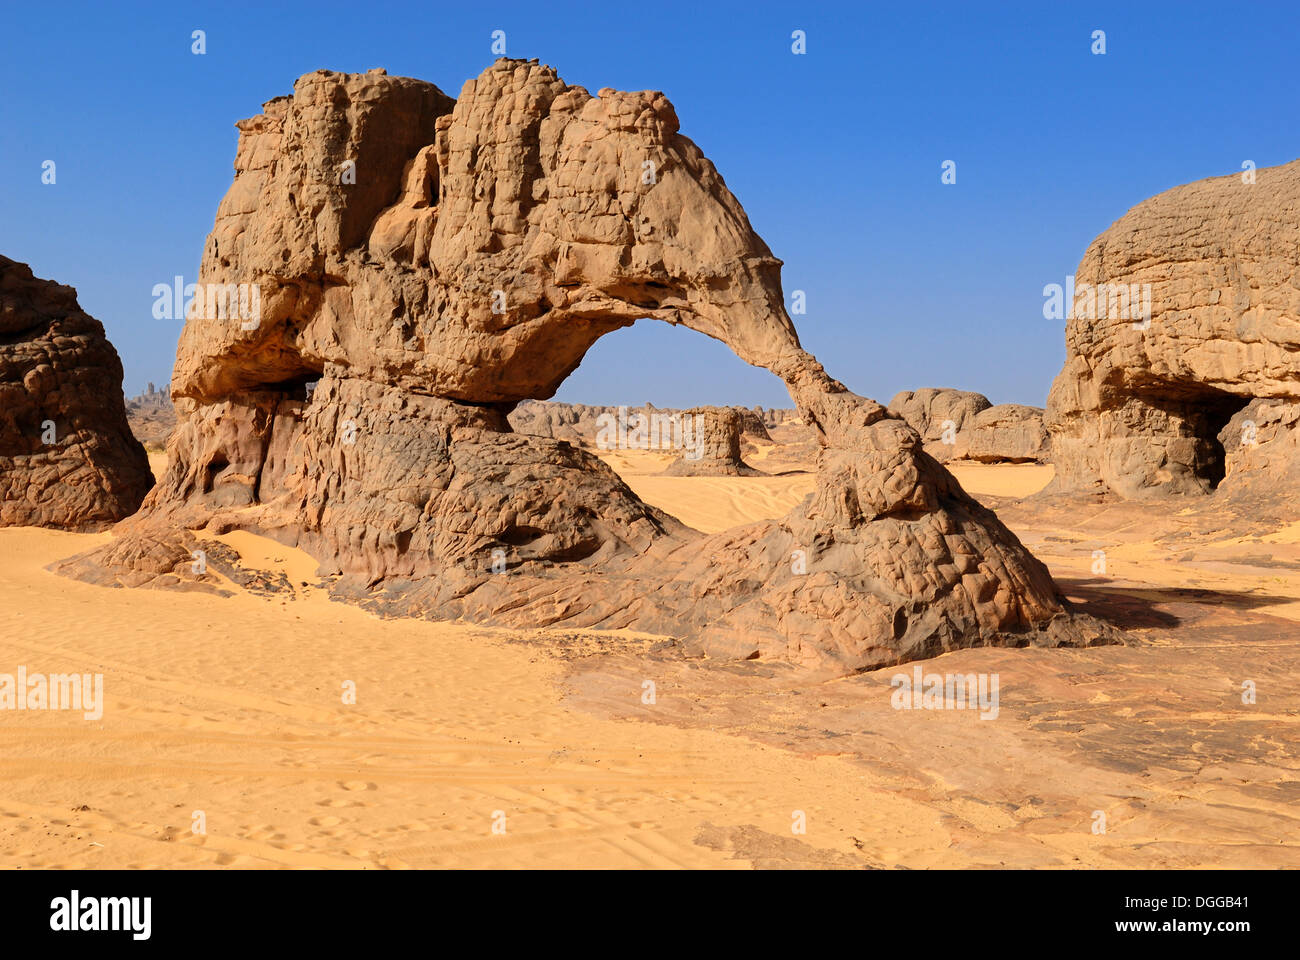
(667, 409)
(670, 365)
(402, 475)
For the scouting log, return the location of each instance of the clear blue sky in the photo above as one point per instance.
(836, 154)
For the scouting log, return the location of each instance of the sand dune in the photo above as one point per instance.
(232, 705)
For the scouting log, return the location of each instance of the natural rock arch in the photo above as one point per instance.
(497, 238)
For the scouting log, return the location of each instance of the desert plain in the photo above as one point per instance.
(231, 705)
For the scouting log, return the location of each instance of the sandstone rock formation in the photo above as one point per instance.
(1005, 433)
(1262, 457)
(752, 423)
(777, 416)
(938, 414)
(711, 445)
(483, 248)
(962, 425)
(1185, 311)
(67, 457)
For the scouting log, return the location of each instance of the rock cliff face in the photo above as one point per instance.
(1145, 393)
(482, 249)
(67, 457)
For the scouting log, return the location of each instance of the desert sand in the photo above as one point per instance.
(232, 705)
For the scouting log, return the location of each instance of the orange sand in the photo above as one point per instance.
(233, 706)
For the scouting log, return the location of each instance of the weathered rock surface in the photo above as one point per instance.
(67, 457)
(938, 414)
(1005, 433)
(1139, 406)
(711, 445)
(1262, 458)
(483, 248)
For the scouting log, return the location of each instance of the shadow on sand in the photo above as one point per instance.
(1148, 607)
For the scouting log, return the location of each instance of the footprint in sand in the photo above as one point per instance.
(358, 785)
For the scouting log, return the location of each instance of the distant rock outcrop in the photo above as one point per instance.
(962, 425)
(1005, 433)
(712, 445)
(480, 250)
(152, 417)
(67, 457)
(575, 422)
(1184, 312)
(778, 416)
(938, 414)
(581, 422)
(752, 423)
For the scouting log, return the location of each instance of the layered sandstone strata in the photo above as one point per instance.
(485, 245)
(1186, 310)
(67, 456)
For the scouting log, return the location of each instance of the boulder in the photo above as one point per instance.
(1262, 457)
(1004, 433)
(939, 415)
(67, 456)
(1183, 312)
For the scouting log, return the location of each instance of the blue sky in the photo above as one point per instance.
(835, 154)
